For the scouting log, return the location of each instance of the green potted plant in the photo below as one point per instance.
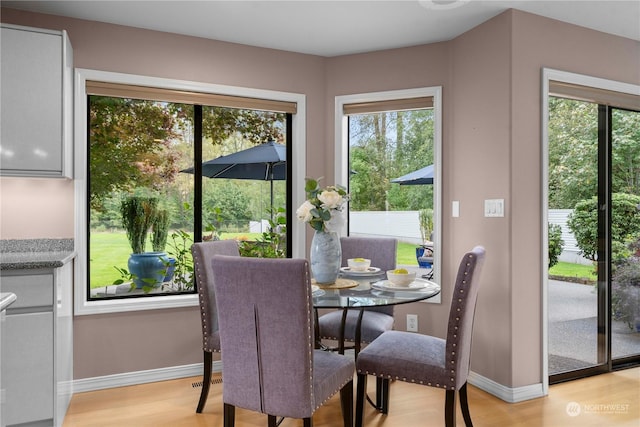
(424, 252)
(139, 213)
(159, 235)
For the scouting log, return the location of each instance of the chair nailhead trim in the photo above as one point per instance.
(453, 345)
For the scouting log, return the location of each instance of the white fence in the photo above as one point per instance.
(405, 226)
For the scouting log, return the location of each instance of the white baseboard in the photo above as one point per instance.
(508, 394)
(141, 377)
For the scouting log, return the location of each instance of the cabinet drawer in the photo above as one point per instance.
(31, 290)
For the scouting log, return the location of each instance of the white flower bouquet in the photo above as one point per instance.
(323, 207)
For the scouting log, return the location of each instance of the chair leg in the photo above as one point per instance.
(272, 421)
(379, 395)
(464, 405)
(346, 401)
(307, 422)
(450, 409)
(382, 393)
(206, 381)
(360, 396)
(229, 415)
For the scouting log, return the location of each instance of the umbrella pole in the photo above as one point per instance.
(271, 210)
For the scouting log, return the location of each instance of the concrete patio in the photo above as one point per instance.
(572, 328)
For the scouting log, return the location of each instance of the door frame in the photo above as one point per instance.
(548, 75)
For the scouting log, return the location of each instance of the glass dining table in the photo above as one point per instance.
(366, 290)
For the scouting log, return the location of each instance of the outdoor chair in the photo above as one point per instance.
(266, 331)
(382, 253)
(428, 360)
(202, 253)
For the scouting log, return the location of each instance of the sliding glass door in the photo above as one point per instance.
(625, 269)
(594, 238)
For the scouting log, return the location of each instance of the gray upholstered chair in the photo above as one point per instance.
(266, 331)
(382, 253)
(202, 253)
(424, 359)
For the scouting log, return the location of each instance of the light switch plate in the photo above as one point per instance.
(455, 209)
(494, 208)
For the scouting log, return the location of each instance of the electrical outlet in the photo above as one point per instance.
(412, 322)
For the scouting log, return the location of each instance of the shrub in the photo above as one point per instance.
(625, 299)
(555, 243)
(425, 217)
(625, 225)
(272, 243)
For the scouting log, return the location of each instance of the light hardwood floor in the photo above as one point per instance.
(605, 400)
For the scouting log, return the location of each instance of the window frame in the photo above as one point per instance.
(82, 304)
(342, 152)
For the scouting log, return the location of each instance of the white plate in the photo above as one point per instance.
(371, 271)
(416, 285)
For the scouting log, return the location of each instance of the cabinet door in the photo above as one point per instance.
(27, 367)
(33, 98)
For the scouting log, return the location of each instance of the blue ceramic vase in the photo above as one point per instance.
(326, 256)
(149, 268)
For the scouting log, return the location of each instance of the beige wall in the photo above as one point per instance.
(36, 208)
(123, 342)
(491, 149)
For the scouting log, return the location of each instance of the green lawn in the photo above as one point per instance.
(109, 250)
(106, 251)
(579, 271)
(406, 254)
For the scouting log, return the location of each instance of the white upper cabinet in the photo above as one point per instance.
(37, 103)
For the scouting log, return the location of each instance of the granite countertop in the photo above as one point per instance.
(35, 253)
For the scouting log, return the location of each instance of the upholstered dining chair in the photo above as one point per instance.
(202, 253)
(266, 331)
(427, 360)
(382, 253)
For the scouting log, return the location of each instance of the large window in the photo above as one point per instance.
(145, 211)
(384, 139)
(150, 190)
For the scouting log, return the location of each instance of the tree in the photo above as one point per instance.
(573, 152)
(230, 200)
(138, 143)
(384, 146)
(625, 225)
(129, 146)
(626, 151)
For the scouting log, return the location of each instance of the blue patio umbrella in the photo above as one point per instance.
(264, 162)
(418, 177)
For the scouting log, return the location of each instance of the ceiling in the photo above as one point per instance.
(332, 28)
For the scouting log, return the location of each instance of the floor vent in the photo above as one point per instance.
(214, 380)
